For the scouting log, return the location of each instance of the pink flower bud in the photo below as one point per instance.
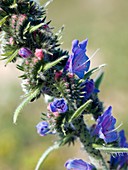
(14, 16)
(11, 40)
(39, 54)
(27, 62)
(35, 60)
(22, 17)
(70, 75)
(58, 75)
(56, 114)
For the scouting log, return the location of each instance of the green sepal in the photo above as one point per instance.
(110, 149)
(24, 76)
(21, 68)
(98, 80)
(53, 63)
(59, 33)
(60, 85)
(29, 97)
(67, 139)
(2, 21)
(80, 110)
(34, 28)
(26, 29)
(14, 5)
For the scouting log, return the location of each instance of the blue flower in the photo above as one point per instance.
(105, 128)
(58, 105)
(25, 52)
(87, 88)
(78, 62)
(78, 164)
(43, 128)
(120, 160)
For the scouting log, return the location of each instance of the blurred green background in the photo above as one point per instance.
(105, 24)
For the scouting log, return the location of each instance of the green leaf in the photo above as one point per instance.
(7, 54)
(31, 95)
(110, 149)
(34, 28)
(98, 80)
(12, 57)
(80, 110)
(45, 155)
(2, 21)
(89, 73)
(51, 64)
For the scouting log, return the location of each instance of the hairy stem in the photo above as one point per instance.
(84, 135)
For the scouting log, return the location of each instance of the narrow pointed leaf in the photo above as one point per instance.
(47, 3)
(60, 31)
(89, 73)
(51, 64)
(2, 21)
(12, 57)
(45, 155)
(98, 80)
(7, 54)
(24, 102)
(80, 110)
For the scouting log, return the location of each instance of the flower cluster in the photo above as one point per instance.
(66, 78)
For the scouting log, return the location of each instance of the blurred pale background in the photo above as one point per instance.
(105, 24)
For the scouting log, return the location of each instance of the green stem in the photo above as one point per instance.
(85, 138)
(46, 154)
(110, 149)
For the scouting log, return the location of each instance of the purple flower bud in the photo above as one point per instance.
(105, 128)
(58, 105)
(78, 62)
(88, 87)
(25, 52)
(78, 164)
(43, 128)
